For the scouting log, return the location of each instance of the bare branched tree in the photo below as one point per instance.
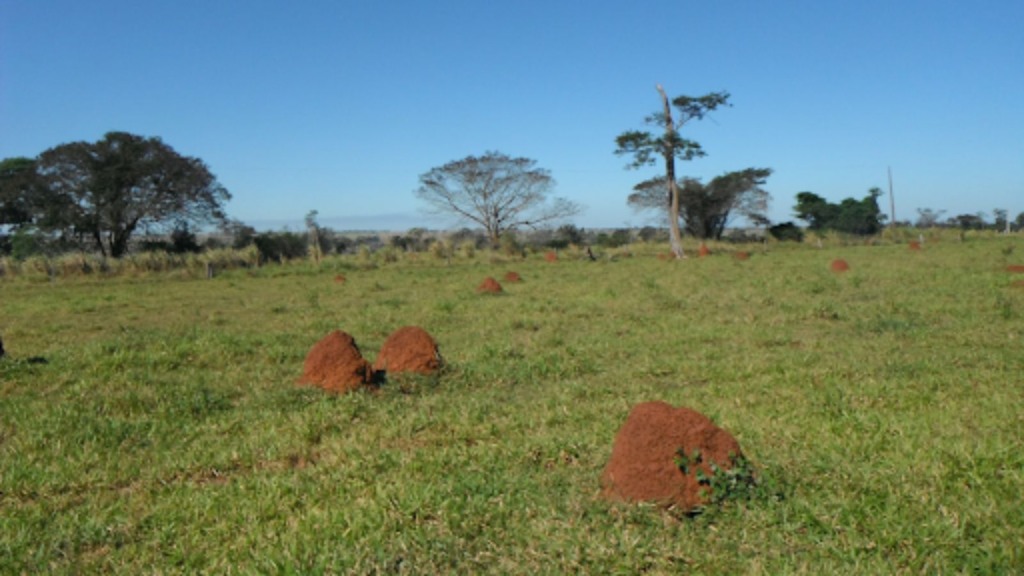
(497, 192)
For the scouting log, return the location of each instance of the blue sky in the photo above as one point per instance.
(340, 105)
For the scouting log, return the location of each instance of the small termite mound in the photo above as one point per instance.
(335, 364)
(489, 286)
(839, 265)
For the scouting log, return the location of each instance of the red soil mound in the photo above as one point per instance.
(489, 285)
(513, 277)
(551, 257)
(1015, 268)
(335, 364)
(339, 279)
(645, 457)
(742, 255)
(409, 349)
(840, 265)
(915, 245)
(703, 251)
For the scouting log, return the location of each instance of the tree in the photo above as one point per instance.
(861, 217)
(497, 192)
(106, 191)
(18, 190)
(1001, 219)
(927, 218)
(705, 209)
(646, 147)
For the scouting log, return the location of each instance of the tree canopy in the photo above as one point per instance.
(18, 191)
(496, 191)
(104, 192)
(861, 217)
(646, 148)
(705, 209)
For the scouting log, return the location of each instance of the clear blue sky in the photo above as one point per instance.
(340, 105)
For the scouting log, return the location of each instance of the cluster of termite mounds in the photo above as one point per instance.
(672, 457)
(335, 363)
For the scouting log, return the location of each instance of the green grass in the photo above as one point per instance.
(883, 409)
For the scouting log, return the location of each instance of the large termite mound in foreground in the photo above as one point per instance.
(409, 349)
(839, 265)
(668, 456)
(335, 364)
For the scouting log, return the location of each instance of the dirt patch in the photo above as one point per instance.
(741, 255)
(840, 265)
(489, 286)
(408, 349)
(513, 277)
(1017, 284)
(339, 279)
(1015, 268)
(551, 257)
(652, 449)
(914, 245)
(335, 364)
(703, 251)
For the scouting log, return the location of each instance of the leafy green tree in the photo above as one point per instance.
(646, 148)
(787, 231)
(496, 191)
(968, 221)
(19, 186)
(107, 190)
(861, 217)
(1001, 221)
(705, 209)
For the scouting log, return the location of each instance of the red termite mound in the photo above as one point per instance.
(551, 257)
(335, 364)
(1015, 268)
(339, 279)
(489, 286)
(408, 349)
(741, 255)
(914, 245)
(840, 265)
(513, 277)
(703, 251)
(645, 462)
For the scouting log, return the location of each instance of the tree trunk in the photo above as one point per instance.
(675, 238)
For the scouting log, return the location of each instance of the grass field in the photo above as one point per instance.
(883, 408)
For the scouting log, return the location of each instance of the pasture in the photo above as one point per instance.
(883, 408)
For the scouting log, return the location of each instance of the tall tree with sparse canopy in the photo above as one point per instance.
(108, 190)
(646, 147)
(497, 192)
